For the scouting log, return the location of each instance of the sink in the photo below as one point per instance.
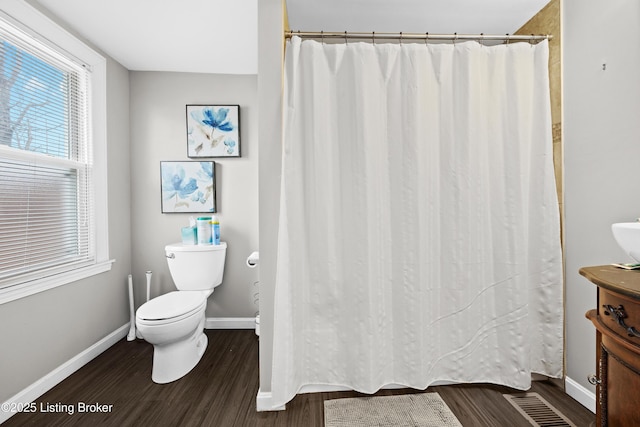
(627, 234)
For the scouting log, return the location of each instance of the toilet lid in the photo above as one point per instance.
(170, 305)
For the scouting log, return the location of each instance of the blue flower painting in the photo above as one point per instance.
(213, 131)
(188, 187)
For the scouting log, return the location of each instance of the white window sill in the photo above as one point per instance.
(13, 293)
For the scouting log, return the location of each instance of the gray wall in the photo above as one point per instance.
(42, 331)
(602, 152)
(158, 132)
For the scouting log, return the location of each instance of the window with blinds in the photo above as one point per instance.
(46, 207)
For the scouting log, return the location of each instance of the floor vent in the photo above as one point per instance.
(538, 411)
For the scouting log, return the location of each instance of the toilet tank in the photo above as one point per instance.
(196, 267)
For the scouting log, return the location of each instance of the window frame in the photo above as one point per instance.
(35, 23)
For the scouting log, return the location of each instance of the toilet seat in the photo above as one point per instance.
(171, 307)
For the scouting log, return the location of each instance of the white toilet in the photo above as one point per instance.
(174, 322)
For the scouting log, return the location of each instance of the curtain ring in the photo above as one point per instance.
(482, 39)
(373, 37)
(426, 38)
(322, 36)
(455, 37)
(345, 38)
(508, 38)
(531, 40)
(400, 38)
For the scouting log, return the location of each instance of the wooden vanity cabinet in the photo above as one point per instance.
(617, 322)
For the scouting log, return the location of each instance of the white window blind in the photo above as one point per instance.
(46, 203)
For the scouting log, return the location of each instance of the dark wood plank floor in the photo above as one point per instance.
(221, 391)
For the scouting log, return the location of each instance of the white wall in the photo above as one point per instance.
(602, 153)
(158, 132)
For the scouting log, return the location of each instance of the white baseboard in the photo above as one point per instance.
(53, 378)
(230, 323)
(583, 395)
(264, 402)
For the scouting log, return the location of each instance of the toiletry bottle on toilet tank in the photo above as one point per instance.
(204, 230)
(215, 230)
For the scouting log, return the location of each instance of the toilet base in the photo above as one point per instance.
(173, 361)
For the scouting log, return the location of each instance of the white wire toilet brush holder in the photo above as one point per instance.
(132, 317)
(148, 274)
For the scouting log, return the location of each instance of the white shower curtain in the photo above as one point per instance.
(419, 233)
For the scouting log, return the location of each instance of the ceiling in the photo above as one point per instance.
(199, 36)
(221, 36)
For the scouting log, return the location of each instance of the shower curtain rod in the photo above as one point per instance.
(414, 36)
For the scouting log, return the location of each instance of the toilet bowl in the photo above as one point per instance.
(174, 322)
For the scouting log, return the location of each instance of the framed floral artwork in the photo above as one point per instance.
(213, 131)
(188, 186)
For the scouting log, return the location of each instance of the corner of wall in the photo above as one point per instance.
(271, 25)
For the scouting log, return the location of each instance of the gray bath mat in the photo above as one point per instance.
(408, 410)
